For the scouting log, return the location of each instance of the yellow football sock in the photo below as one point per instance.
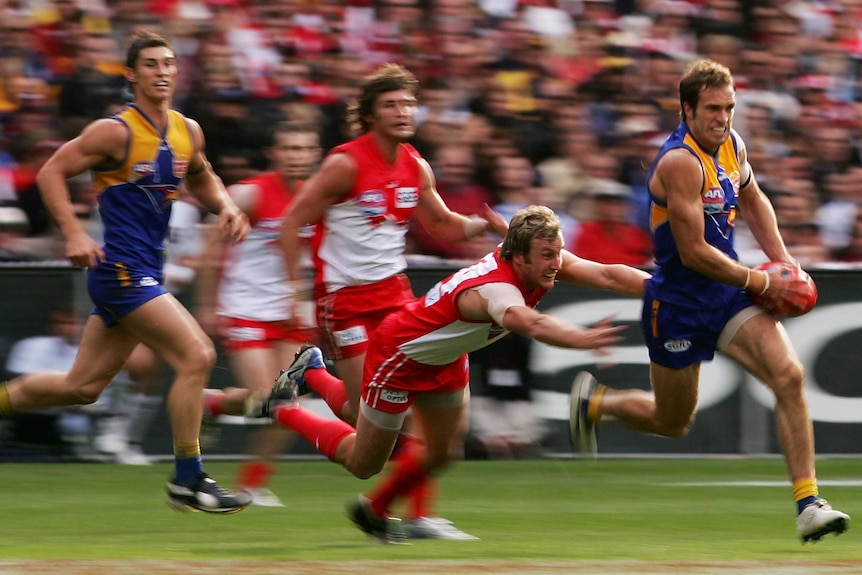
(593, 413)
(187, 450)
(804, 488)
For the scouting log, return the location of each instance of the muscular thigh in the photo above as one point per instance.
(168, 329)
(676, 392)
(102, 352)
(761, 345)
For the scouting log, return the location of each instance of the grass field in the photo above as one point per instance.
(610, 516)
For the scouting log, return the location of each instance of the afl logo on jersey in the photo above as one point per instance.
(372, 203)
(144, 168)
(713, 201)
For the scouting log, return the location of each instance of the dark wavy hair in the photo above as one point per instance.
(387, 78)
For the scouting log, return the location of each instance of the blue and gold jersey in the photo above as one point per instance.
(671, 281)
(136, 195)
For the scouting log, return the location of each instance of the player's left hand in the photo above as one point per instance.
(233, 224)
(496, 223)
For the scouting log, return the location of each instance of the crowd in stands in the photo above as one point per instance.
(558, 102)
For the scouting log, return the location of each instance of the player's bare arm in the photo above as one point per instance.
(619, 278)
(332, 182)
(96, 146)
(203, 183)
(759, 213)
(441, 222)
(679, 178)
(551, 330)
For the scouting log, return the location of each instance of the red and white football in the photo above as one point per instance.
(800, 303)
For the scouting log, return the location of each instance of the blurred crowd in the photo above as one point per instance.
(558, 102)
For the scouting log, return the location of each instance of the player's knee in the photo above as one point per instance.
(200, 359)
(87, 394)
(789, 381)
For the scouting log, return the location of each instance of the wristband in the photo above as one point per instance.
(747, 278)
(766, 285)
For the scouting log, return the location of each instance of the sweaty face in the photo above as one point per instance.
(295, 155)
(710, 123)
(539, 267)
(395, 114)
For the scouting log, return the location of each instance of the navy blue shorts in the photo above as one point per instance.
(678, 336)
(117, 291)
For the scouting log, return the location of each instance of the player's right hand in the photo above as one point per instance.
(83, 251)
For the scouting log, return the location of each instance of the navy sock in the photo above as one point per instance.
(188, 469)
(803, 503)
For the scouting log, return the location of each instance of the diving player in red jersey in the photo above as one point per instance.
(361, 201)
(696, 302)
(417, 356)
(139, 159)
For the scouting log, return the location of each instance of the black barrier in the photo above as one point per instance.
(735, 412)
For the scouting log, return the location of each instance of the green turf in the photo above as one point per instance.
(522, 510)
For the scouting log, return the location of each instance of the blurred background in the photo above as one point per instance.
(558, 102)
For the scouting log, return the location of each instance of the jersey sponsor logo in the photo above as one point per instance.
(406, 197)
(350, 336)
(372, 203)
(147, 281)
(246, 334)
(144, 168)
(181, 166)
(677, 345)
(392, 396)
(713, 201)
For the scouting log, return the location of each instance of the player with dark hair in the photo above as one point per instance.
(140, 157)
(696, 302)
(417, 357)
(361, 201)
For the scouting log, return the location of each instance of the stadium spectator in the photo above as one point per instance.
(608, 235)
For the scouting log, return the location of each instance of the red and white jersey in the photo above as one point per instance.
(430, 330)
(254, 284)
(361, 239)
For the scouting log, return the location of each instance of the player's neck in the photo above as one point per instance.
(387, 144)
(155, 110)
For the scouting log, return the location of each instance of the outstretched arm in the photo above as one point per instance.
(441, 222)
(620, 278)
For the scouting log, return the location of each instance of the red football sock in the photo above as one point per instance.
(214, 404)
(422, 498)
(405, 473)
(324, 434)
(254, 474)
(329, 387)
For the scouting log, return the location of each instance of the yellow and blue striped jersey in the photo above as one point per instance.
(136, 195)
(672, 281)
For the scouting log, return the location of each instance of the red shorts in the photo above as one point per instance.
(347, 316)
(391, 381)
(238, 334)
